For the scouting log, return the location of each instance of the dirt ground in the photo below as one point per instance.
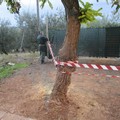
(27, 91)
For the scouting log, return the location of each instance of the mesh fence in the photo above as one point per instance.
(93, 42)
(112, 43)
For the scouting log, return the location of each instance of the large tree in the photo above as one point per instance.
(75, 15)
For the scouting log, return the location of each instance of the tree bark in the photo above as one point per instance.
(2, 50)
(68, 51)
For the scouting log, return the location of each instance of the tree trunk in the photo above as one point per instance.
(68, 51)
(2, 50)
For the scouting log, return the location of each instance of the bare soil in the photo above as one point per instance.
(91, 97)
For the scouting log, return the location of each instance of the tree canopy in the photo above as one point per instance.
(87, 13)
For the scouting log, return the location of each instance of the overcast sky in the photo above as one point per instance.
(30, 6)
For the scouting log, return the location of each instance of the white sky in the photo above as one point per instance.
(30, 6)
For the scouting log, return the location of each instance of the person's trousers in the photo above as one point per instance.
(42, 56)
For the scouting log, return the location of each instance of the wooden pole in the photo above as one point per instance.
(38, 18)
(21, 46)
(47, 34)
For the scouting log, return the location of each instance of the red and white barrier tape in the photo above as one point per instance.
(104, 75)
(93, 66)
(76, 64)
(50, 48)
(96, 75)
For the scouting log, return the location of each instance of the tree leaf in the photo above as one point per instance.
(50, 4)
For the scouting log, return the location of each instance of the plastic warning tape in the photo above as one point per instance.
(96, 75)
(76, 64)
(50, 48)
(93, 66)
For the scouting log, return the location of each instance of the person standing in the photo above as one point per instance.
(42, 41)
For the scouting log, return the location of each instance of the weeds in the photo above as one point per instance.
(7, 70)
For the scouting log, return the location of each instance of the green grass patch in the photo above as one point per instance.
(7, 70)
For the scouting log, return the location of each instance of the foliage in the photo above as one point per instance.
(114, 3)
(106, 21)
(44, 1)
(7, 70)
(7, 36)
(57, 20)
(12, 5)
(28, 26)
(117, 4)
(11, 37)
(115, 17)
(87, 12)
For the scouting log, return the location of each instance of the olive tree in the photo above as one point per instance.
(7, 37)
(28, 31)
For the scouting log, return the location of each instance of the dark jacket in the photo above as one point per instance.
(42, 43)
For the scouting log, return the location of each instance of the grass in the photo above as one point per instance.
(17, 57)
(7, 70)
(21, 60)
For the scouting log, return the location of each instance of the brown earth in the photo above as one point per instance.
(27, 91)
